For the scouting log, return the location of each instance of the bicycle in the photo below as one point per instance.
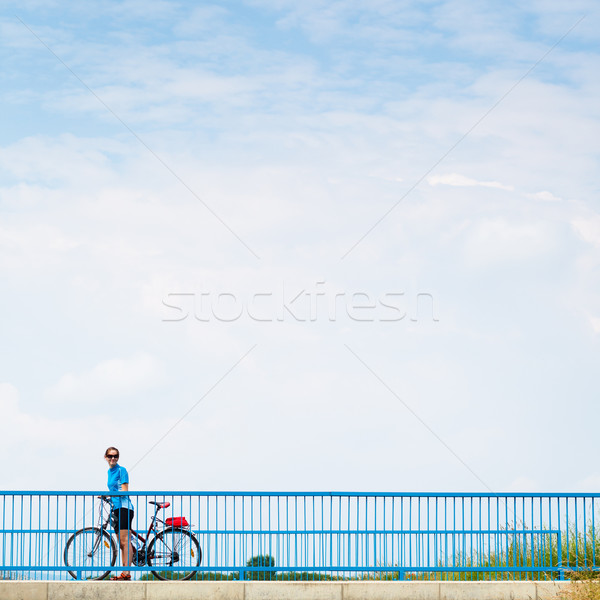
(172, 544)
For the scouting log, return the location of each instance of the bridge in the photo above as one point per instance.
(330, 545)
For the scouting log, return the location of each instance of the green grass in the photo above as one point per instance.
(201, 576)
(579, 552)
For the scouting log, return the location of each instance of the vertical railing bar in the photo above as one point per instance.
(48, 519)
(532, 543)
(252, 534)
(324, 538)
(445, 538)
(568, 551)
(550, 527)
(304, 539)
(385, 540)
(489, 526)
(340, 539)
(269, 525)
(462, 524)
(480, 552)
(427, 537)
(21, 543)
(505, 539)
(526, 552)
(314, 530)
(410, 549)
(496, 540)
(593, 511)
(584, 532)
(560, 528)
(12, 527)
(330, 534)
(374, 550)
(353, 536)
(471, 534)
(31, 535)
(295, 531)
(394, 559)
(542, 541)
(19, 548)
(576, 534)
(453, 533)
(3, 534)
(38, 536)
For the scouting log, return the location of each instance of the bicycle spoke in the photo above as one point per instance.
(91, 551)
(174, 548)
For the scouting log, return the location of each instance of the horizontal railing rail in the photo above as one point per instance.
(302, 536)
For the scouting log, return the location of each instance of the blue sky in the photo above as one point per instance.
(318, 246)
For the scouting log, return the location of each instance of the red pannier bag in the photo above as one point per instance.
(177, 522)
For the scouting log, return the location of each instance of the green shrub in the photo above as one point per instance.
(262, 560)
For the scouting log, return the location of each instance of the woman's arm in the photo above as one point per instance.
(124, 487)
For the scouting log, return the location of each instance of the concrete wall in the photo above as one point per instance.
(254, 590)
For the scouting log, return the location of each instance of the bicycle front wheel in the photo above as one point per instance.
(91, 550)
(174, 548)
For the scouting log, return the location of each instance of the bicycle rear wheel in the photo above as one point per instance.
(92, 549)
(174, 547)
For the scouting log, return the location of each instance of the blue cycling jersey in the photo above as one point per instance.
(118, 475)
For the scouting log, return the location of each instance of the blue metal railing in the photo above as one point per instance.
(304, 536)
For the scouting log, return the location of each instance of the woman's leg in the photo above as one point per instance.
(127, 548)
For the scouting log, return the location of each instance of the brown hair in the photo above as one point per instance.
(112, 448)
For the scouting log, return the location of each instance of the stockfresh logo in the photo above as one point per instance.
(318, 302)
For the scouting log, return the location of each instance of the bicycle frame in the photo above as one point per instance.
(152, 529)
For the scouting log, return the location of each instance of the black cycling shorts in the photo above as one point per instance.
(121, 518)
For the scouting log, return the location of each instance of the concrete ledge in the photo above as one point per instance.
(390, 590)
(195, 590)
(293, 590)
(96, 590)
(23, 590)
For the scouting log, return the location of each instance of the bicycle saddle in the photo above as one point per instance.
(160, 504)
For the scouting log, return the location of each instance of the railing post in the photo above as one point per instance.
(561, 571)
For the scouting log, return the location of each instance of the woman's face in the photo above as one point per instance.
(111, 457)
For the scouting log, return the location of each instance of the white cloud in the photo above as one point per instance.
(496, 241)
(454, 179)
(65, 159)
(595, 322)
(588, 229)
(109, 380)
(545, 196)
(523, 483)
(37, 437)
(33, 247)
(67, 450)
(591, 483)
(9, 401)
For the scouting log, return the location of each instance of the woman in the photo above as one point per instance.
(122, 509)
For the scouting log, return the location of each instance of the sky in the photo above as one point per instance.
(332, 245)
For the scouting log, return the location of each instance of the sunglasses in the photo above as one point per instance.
(111, 456)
